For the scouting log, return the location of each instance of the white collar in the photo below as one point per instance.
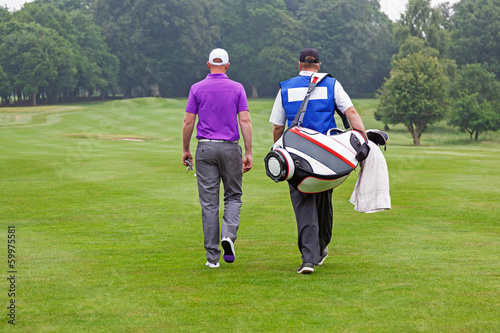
(306, 73)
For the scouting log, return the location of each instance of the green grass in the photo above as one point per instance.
(109, 236)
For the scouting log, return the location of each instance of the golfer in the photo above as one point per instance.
(313, 212)
(220, 105)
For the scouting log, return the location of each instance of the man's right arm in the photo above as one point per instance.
(246, 132)
(187, 132)
(278, 132)
(278, 117)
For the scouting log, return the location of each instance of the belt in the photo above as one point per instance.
(210, 140)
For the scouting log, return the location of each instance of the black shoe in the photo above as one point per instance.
(323, 256)
(306, 268)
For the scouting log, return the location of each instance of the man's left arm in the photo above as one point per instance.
(246, 132)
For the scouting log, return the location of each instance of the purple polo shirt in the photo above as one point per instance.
(217, 100)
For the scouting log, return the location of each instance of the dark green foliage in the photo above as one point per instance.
(416, 94)
(354, 40)
(35, 58)
(4, 14)
(473, 116)
(475, 28)
(425, 23)
(67, 5)
(55, 55)
(474, 78)
(160, 48)
(263, 41)
(476, 106)
(4, 86)
(160, 44)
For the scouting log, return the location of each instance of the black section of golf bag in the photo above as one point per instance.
(362, 149)
(303, 170)
(379, 137)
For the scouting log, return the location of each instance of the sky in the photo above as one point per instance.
(393, 8)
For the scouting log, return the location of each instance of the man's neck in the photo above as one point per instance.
(306, 73)
(218, 69)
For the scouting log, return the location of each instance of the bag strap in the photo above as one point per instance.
(316, 78)
(342, 116)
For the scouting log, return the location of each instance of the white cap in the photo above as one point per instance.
(220, 54)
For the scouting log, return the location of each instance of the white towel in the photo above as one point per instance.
(371, 192)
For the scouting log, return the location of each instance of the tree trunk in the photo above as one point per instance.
(477, 135)
(33, 99)
(255, 94)
(414, 135)
(416, 140)
(470, 135)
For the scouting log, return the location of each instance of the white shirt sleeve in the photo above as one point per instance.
(278, 115)
(342, 100)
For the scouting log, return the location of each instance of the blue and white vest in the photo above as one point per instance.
(320, 111)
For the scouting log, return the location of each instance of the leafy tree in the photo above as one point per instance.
(5, 90)
(293, 6)
(263, 38)
(422, 21)
(474, 78)
(476, 106)
(99, 68)
(415, 94)
(414, 44)
(473, 116)
(5, 86)
(475, 27)
(5, 15)
(34, 57)
(159, 43)
(67, 5)
(96, 67)
(354, 40)
(51, 18)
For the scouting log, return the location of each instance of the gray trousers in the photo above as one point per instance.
(216, 161)
(314, 215)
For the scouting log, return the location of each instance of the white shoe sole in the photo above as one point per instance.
(210, 265)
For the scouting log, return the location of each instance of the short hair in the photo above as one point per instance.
(310, 60)
(313, 65)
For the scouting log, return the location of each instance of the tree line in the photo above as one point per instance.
(52, 55)
(64, 50)
(447, 68)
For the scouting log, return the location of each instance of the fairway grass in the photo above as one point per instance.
(109, 236)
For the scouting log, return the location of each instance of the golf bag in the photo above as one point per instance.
(313, 162)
